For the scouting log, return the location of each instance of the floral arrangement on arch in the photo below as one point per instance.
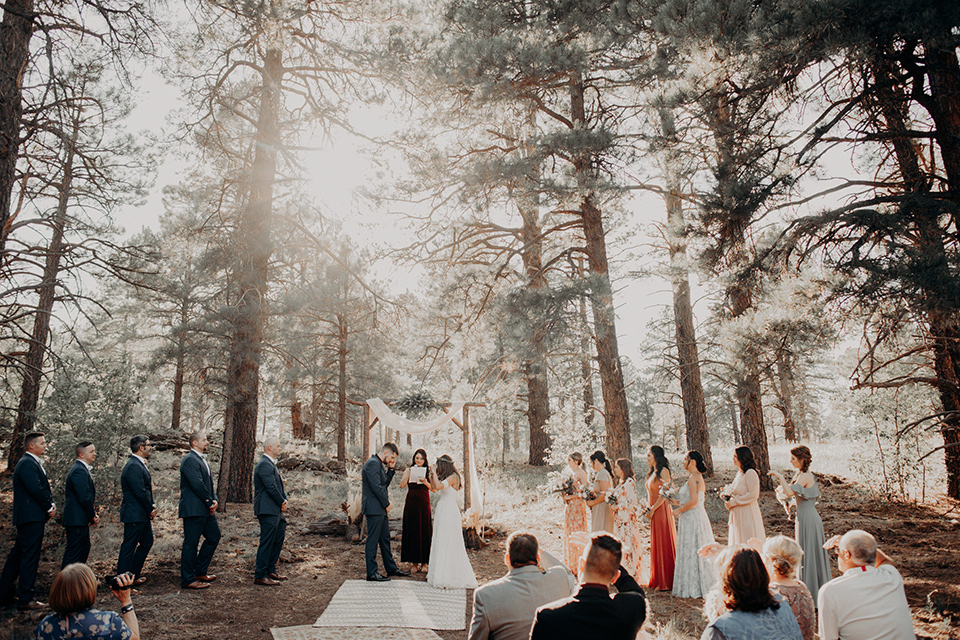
(417, 404)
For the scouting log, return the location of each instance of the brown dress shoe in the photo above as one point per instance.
(139, 581)
(266, 582)
(33, 605)
(196, 585)
(207, 578)
(277, 576)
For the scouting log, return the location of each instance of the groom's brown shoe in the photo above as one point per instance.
(266, 582)
(276, 576)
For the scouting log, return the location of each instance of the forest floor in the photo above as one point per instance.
(924, 541)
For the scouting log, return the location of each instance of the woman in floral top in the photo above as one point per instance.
(73, 595)
(626, 522)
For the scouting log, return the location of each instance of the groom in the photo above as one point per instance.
(377, 473)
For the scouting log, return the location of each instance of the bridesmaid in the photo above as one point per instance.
(693, 575)
(626, 525)
(808, 528)
(745, 521)
(575, 511)
(663, 531)
(417, 527)
(601, 515)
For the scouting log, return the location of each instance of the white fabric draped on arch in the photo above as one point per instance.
(399, 423)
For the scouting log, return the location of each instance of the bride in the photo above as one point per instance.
(449, 566)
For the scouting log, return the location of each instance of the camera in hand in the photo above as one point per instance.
(114, 581)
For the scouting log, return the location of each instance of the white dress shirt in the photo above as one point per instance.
(865, 603)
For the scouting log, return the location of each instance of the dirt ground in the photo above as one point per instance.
(923, 540)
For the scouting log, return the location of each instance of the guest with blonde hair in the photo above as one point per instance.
(782, 556)
(73, 595)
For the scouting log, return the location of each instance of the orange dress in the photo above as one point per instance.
(663, 538)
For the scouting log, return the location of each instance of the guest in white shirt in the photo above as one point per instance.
(868, 601)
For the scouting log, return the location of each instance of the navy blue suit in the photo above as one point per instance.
(79, 497)
(32, 502)
(196, 498)
(268, 497)
(375, 478)
(135, 508)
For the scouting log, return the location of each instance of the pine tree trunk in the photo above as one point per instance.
(615, 408)
(15, 33)
(785, 374)
(179, 372)
(586, 366)
(735, 423)
(342, 335)
(749, 397)
(688, 359)
(37, 351)
(253, 245)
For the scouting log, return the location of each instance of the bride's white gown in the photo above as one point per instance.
(449, 566)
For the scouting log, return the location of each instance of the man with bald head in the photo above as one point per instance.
(867, 602)
(269, 505)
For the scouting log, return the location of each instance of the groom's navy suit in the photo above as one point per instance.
(375, 500)
(196, 499)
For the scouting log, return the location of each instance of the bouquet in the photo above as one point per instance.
(724, 493)
(784, 501)
(566, 487)
(612, 499)
(588, 494)
(668, 493)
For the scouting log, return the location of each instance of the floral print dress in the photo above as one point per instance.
(626, 525)
(89, 623)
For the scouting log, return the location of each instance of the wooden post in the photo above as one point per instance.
(365, 436)
(466, 458)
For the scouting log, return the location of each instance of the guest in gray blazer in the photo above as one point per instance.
(504, 609)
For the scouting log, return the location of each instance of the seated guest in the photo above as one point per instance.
(72, 596)
(867, 602)
(750, 610)
(782, 557)
(593, 612)
(504, 609)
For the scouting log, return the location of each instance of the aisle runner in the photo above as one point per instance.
(307, 632)
(399, 603)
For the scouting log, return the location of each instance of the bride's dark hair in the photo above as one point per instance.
(445, 467)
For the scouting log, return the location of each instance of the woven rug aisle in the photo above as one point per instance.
(399, 603)
(309, 632)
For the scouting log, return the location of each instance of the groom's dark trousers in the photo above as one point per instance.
(375, 500)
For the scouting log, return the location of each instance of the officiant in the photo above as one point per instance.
(417, 525)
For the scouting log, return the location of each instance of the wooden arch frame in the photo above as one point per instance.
(369, 421)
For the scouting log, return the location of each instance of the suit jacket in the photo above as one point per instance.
(268, 493)
(196, 487)
(31, 492)
(591, 613)
(79, 496)
(137, 489)
(504, 609)
(375, 480)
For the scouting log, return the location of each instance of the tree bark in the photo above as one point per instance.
(615, 408)
(254, 249)
(180, 367)
(785, 375)
(342, 352)
(37, 351)
(586, 365)
(15, 33)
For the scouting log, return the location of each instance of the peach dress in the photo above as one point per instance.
(745, 520)
(574, 520)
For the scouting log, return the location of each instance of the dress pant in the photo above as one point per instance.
(378, 534)
(137, 541)
(195, 563)
(22, 563)
(273, 529)
(78, 545)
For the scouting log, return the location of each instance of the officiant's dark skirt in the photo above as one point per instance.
(417, 526)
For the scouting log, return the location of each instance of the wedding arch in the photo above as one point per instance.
(377, 411)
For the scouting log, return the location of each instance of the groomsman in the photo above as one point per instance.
(198, 504)
(32, 508)
(269, 505)
(79, 512)
(137, 509)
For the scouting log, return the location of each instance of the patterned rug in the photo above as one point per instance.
(399, 603)
(308, 632)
